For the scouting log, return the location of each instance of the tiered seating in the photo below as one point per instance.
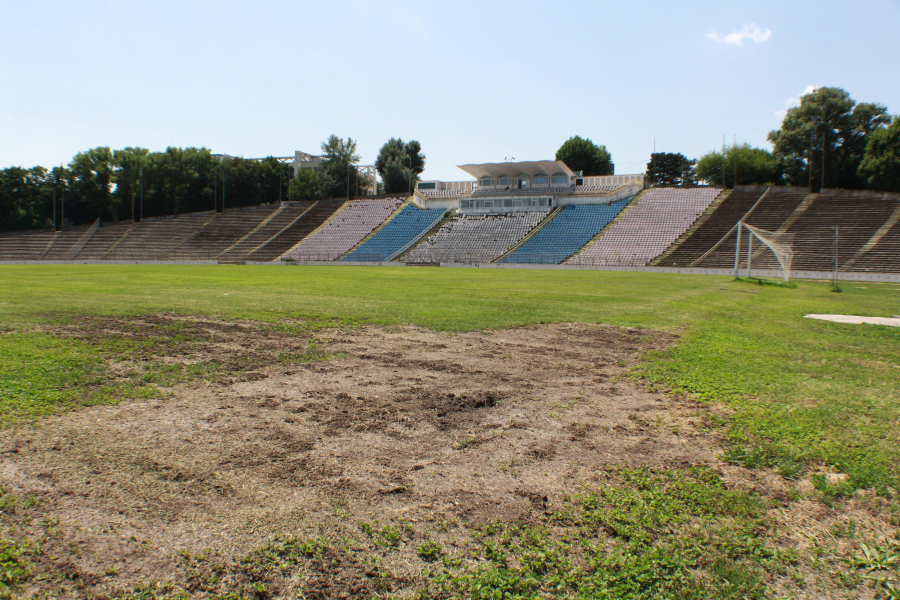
(726, 216)
(649, 227)
(25, 246)
(102, 241)
(885, 256)
(857, 218)
(152, 239)
(289, 237)
(63, 243)
(345, 230)
(770, 214)
(443, 193)
(475, 238)
(573, 227)
(281, 219)
(520, 191)
(405, 228)
(221, 232)
(595, 189)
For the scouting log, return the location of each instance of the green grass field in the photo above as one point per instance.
(802, 396)
(806, 392)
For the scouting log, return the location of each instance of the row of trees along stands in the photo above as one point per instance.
(829, 140)
(399, 164)
(117, 185)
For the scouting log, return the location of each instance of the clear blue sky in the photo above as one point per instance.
(472, 81)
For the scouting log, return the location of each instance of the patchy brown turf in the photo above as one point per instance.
(432, 431)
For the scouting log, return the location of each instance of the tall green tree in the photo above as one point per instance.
(307, 185)
(274, 177)
(397, 177)
(339, 167)
(880, 168)
(828, 128)
(399, 163)
(92, 186)
(671, 168)
(583, 155)
(128, 164)
(181, 180)
(26, 198)
(754, 166)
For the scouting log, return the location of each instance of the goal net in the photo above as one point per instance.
(776, 250)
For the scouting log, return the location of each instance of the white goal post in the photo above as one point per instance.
(781, 245)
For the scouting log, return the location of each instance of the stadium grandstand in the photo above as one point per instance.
(475, 239)
(397, 235)
(344, 230)
(771, 211)
(565, 234)
(648, 227)
(510, 213)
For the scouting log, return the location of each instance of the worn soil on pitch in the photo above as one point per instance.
(433, 430)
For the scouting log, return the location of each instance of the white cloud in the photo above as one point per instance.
(749, 31)
(794, 101)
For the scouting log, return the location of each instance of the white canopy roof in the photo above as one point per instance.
(514, 169)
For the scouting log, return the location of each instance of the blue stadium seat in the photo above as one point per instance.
(408, 226)
(572, 228)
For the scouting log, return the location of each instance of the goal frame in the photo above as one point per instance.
(783, 256)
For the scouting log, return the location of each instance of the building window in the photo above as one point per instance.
(559, 179)
(504, 182)
(426, 186)
(540, 180)
(486, 181)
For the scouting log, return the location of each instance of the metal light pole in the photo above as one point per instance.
(734, 152)
(835, 278)
(809, 161)
(62, 220)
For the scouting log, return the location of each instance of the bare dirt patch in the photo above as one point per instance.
(428, 432)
